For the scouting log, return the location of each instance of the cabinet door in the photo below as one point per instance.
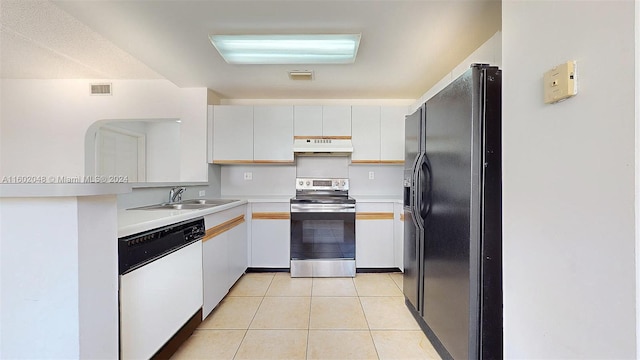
(365, 133)
(238, 252)
(215, 272)
(270, 232)
(336, 120)
(392, 133)
(273, 133)
(307, 121)
(398, 235)
(374, 235)
(232, 133)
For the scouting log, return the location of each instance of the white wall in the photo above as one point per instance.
(43, 122)
(59, 278)
(568, 182)
(488, 53)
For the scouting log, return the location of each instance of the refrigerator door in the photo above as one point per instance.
(450, 142)
(412, 283)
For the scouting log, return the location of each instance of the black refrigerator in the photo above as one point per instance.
(453, 216)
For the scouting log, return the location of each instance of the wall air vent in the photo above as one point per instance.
(301, 75)
(101, 89)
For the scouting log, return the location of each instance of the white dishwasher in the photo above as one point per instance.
(160, 285)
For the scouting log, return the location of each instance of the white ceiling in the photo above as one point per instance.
(406, 46)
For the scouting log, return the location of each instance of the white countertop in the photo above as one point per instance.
(378, 198)
(259, 199)
(134, 221)
(62, 190)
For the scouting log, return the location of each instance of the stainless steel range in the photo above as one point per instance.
(323, 223)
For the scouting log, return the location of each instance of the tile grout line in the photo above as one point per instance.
(252, 318)
(366, 318)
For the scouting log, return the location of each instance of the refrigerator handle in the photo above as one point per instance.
(426, 180)
(418, 189)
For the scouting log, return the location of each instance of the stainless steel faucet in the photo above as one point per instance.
(175, 194)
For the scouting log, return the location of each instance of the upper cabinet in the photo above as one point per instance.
(252, 134)
(365, 126)
(322, 121)
(336, 121)
(232, 134)
(244, 134)
(273, 134)
(307, 121)
(378, 134)
(392, 133)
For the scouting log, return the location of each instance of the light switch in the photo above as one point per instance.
(560, 82)
(202, 193)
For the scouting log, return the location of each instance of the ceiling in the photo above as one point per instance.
(406, 46)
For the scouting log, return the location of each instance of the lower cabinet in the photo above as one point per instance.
(224, 254)
(398, 235)
(270, 233)
(375, 235)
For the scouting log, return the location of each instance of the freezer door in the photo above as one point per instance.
(413, 234)
(449, 135)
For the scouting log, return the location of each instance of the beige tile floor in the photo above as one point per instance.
(272, 316)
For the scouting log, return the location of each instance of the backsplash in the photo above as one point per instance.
(322, 166)
(279, 180)
(156, 195)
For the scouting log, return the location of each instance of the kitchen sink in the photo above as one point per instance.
(193, 204)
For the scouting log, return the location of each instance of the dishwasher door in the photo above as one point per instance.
(157, 299)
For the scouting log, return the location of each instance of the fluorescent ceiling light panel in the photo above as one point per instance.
(287, 49)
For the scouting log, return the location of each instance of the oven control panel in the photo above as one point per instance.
(322, 184)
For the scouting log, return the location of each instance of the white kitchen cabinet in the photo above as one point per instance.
(215, 272)
(307, 120)
(224, 254)
(232, 134)
(375, 235)
(326, 121)
(273, 133)
(270, 233)
(378, 134)
(336, 120)
(392, 133)
(398, 235)
(238, 250)
(365, 133)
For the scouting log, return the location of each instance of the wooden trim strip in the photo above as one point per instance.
(227, 162)
(273, 162)
(337, 137)
(374, 216)
(402, 217)
(270, 216)
(232, 162)
(377, 161)
(392, 161)
(225, 226)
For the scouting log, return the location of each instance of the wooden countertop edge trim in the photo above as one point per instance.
(270, 216)
(374, 216)
(337, 137)
(377, 161)
(227, 162)
(225, 226)
(401, 217)
(274, 162)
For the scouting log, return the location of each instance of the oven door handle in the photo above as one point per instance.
(306, 208)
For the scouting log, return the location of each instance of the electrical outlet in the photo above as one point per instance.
(202, 192)
(248, 176)
(372, 175)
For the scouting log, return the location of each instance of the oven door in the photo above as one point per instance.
(323, 241)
